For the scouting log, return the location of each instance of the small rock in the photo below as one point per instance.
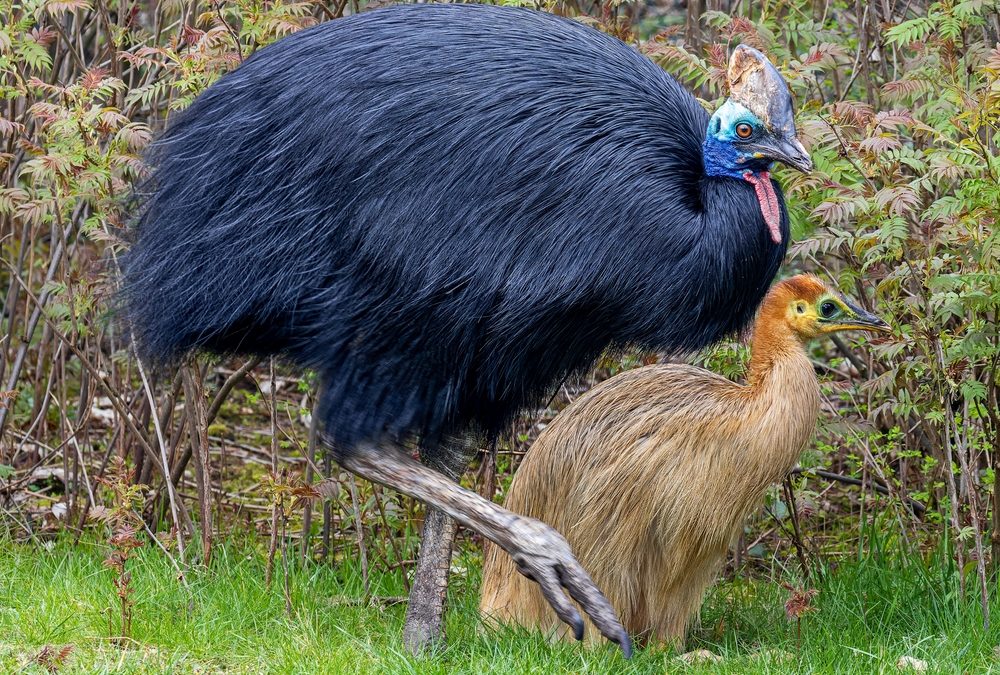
(910, 663)
(699, 656)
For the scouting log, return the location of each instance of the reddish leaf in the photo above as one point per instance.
(6, 397)
(825, 53)
(893, 118)
(898, 89)
(52, 658)
(93, 78)
(58, 7)
(43, 36)
(716, 56)
(993, 60)
(900, 200)
(799, 602)
(191, 35)
(741, 26)
(852, 113)
(10, 127)
(879, 144)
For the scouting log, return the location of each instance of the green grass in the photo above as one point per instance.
(869, 614)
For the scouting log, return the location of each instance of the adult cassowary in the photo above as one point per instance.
(444, 210)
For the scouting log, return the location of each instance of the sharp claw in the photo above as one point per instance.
(568, 615)
(550, 584)
(586, 593)
(555, 570)
(625, 642)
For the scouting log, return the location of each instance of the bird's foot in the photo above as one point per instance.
(544, 556)
(540, 552)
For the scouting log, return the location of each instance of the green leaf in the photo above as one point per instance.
(910, 31)
(973, 391)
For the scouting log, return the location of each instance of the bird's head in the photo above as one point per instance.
(754, 128)
(812, 308)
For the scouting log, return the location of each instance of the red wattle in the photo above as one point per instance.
(768, 201)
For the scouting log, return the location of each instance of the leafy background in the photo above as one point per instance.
(898, 102)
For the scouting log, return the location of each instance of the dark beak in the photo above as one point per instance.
(862, 320)
(792, 153)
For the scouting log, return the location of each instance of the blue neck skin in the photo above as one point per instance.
(721, 155)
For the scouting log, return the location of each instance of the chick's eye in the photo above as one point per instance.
(827, 309)
(744, 130)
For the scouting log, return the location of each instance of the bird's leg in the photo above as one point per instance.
(424, 624)
(425, 611)
(541, 553)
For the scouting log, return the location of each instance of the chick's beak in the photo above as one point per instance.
(862, 320)
(793, 153)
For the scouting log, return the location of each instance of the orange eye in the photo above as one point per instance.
(744, 130)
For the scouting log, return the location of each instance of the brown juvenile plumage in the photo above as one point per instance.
(651, 474)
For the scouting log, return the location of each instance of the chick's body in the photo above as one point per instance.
(652, 473)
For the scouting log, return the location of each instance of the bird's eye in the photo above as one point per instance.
(827, 309)
(744, 130)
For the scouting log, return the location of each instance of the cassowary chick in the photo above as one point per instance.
(652, 473)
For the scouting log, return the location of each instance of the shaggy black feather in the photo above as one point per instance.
(444, 209)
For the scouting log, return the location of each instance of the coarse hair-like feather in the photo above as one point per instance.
(444, 210)
(652, 473)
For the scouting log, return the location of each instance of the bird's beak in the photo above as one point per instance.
(792, 153)
(859, 319)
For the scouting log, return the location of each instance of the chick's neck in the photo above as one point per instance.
(773, 342)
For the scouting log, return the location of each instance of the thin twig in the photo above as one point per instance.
(275, 506)
(914, 505)
(797, 538)
(198, 430)
(359, 526)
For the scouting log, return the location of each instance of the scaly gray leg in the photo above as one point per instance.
(541, 553)
(424, 626)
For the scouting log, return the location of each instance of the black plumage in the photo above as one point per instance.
(444, 210)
